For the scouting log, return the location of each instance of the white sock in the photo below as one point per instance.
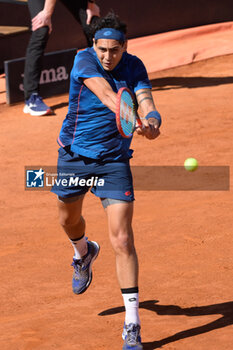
(80, 247)
(131, 302)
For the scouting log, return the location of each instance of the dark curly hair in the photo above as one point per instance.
(111, 20)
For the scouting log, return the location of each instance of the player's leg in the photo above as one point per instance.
(70, 217)
(33, 64)
(117, 197)
(70, 200)
(121, 236)
(85, 252)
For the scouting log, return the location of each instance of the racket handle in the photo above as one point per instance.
(139, 122)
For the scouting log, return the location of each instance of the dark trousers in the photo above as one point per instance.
(39, 39)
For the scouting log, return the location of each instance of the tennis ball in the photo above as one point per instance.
(191, 164)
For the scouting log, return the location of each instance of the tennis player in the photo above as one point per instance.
(92, 146)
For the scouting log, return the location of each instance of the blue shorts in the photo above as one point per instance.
(77, 174)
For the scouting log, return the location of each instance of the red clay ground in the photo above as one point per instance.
(183, 238)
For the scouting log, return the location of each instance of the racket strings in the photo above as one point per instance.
(127, 114)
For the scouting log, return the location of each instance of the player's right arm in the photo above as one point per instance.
(102, 89)
(43, 18)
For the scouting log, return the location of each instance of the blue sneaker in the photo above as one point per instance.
(35, 106)
(82, 275)
(131, 337)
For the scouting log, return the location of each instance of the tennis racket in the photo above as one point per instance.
(126, 115)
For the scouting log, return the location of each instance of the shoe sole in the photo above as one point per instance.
(135, 347)
(90, 269)
(27, 110)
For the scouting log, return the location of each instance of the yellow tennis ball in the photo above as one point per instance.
(191, 164)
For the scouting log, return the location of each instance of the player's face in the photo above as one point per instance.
(109, 52)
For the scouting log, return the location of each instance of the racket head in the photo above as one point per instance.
(125, 112)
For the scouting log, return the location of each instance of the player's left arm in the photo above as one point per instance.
(151, 119)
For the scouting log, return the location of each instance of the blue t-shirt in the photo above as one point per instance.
(90, 127)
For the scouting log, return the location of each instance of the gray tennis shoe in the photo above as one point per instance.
(82, 275)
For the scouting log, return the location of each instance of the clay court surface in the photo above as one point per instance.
(183, 238)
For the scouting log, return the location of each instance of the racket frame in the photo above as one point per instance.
(118, 117)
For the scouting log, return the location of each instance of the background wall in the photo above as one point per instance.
(143, 18)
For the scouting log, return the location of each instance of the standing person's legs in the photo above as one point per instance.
(35, 51)
(85, 252)
(78, 10)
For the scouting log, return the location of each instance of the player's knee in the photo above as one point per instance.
(122, 242)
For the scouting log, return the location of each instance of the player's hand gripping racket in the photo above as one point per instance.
(126, 115)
